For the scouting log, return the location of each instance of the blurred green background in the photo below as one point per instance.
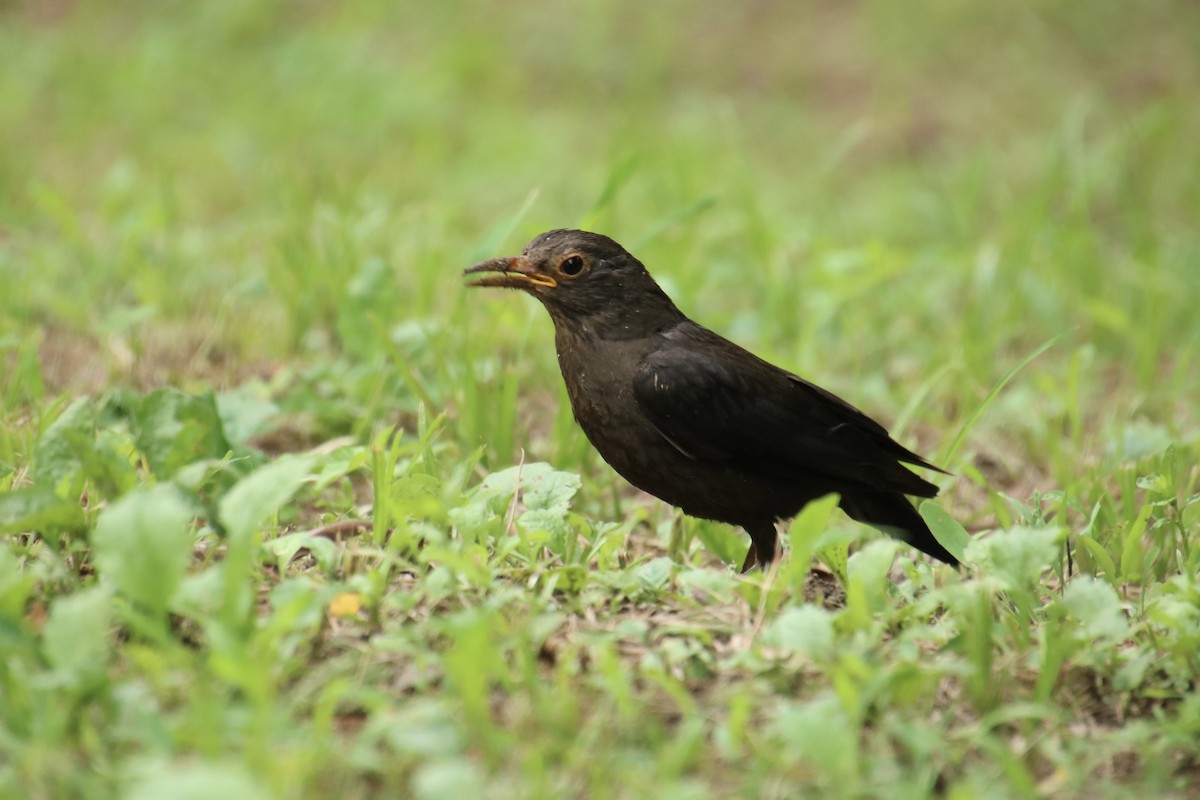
(900, 201)
(850, 188)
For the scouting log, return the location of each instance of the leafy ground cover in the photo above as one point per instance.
(286, 512)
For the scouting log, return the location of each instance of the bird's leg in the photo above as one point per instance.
(762, 545)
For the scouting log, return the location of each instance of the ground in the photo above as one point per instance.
(285, 511)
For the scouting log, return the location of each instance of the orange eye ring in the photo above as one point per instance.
(572, 266)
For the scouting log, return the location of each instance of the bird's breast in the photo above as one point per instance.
(599, 395)
(599, 378)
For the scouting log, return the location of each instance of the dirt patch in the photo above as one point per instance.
(75, 363)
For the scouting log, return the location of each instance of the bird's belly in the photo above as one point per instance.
(711, 490)
(707, 489)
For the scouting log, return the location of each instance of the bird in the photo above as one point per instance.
(694, 419)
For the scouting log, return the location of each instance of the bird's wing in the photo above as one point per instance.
(714, 401)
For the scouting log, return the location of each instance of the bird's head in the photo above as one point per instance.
(582, 277)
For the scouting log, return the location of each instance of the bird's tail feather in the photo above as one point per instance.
(894, 515)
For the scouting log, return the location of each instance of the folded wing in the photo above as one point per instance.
(714, 401)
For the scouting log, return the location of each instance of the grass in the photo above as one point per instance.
(286, 512)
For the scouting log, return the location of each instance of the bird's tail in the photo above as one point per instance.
(895, 516)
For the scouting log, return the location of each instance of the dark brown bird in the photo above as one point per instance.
(697, 421)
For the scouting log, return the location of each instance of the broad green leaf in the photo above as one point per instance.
(541, 485)
(143, 544)
(1132, 674)
(805, 629)
(946, 529)
(721, 585)
(418, 496)
(242, 511)
(542, 488)
(253, 499)
(803, 533)
(420, 727)
(655, 574)
(284, 549)
(549, 520)
(188, 780)
(56, 455)
(244, 413)
(1018, 554)
(89, 441)
(1095, 604)
(340, 463)
(723, 541)
(836, 555)
(109, 462)
(866, 589)
(76, 637)
(175, 429)
(38, 509)
(449, 779)
(821, 734)
(200, 594)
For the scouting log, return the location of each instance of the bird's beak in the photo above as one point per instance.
(510, 273)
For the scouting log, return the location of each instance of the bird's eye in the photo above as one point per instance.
(571, 267)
